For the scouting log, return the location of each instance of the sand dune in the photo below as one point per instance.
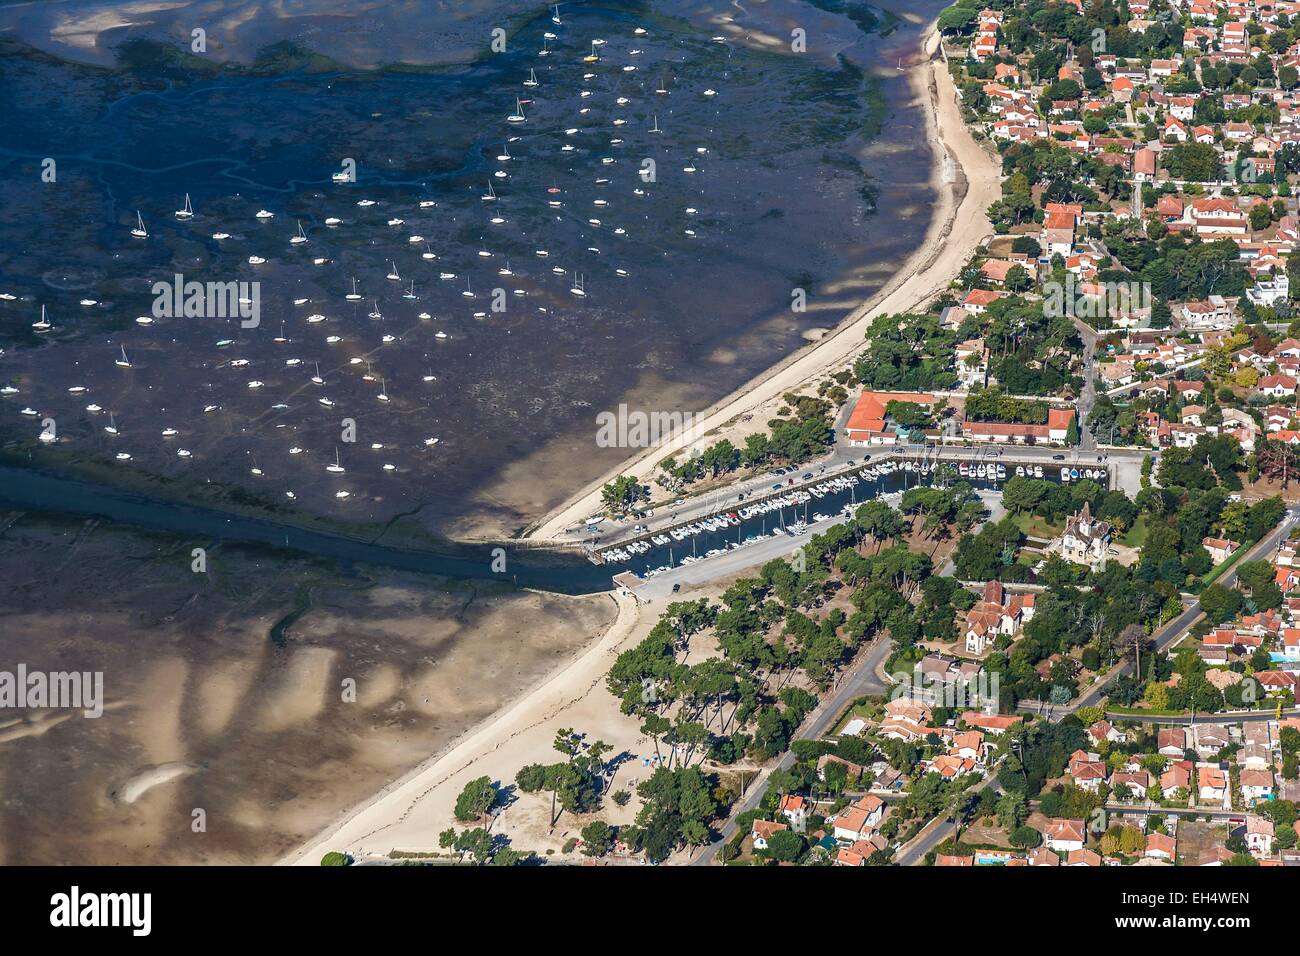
(136, 786)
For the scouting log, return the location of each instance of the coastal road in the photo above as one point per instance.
(859, 681)
(1125, 463)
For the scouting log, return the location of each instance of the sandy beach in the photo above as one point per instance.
(411, 812)
(967, 177)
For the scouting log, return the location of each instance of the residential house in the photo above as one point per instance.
(1064, 835)
(998, 614)
(1161, 846)
(1085, 541)
(760, 831)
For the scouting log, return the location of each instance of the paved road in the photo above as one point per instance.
(1222, 717)
(1088, 397)
(936, 831)
(752, 555)
(843, 457)
(1183, 622)
(863, 679)
(1155, 809)
(860, 681)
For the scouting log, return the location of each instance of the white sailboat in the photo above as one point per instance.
(577, 288)
(188, 211)
(123, 362)
(393, 273)
(301, 237)
(111, 427)
(555, 17)
(383, 391)
(139, 231)
(532, 78)
(354, 294)
(655, 128)
(335, 468)
(490, 195)
(518, 115)
(42, 324)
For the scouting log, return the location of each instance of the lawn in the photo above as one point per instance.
(1036, 527)
(1136, 536)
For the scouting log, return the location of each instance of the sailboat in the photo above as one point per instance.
(376, 314)
(336, 468)
(491, 194)
(42, 324)
(555, 17)
(383, 391)
(532, 78)
(410, 293)
(468, 292)
(655, 128)
(301, 237)
(111, 427)
(123, 362)
(591, 57)
(188, 211)
(577, 289)
(518, 115)
(139, 231)
(393, 274)
(354, 294)
(316, 379)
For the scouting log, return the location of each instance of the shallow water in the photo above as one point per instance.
(780, 203)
